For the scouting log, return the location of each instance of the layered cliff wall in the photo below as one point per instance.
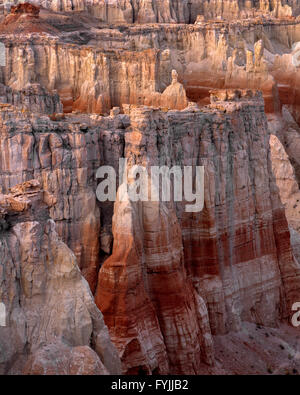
(78, 93)
(33, 98)
(172, 278)
(198, 265)
(95, 68)
(172, 11)
(51, 321)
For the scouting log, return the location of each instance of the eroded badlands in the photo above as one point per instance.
(145, 287)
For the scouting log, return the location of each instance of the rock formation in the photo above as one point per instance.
(33, 98)
(96, 68)
(64, 160)
(172, 11)
(166, 83)
(51, 319)
(211, 280)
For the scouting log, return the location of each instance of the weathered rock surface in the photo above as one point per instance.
(212, 270)
(96, 67)
(285, 144)
(286, 181)
(33, 98)
(167, 281)
(172, 11)
(47, 300)
(63, 156)
(58, 359)
(173, 278)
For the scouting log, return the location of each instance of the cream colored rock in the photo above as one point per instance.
(47, 300)
(174, 97)
(113, 66)
(286, 182)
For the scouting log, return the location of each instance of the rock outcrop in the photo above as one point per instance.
(172, 11)
(51, 319)
(33, 98)
(286, 181)
(173, 279)
(174, 96)
(94, 69)
(285, 144)
(208, 271)
(161, 83)
(64, 158)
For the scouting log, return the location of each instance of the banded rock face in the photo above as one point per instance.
(169, 279)
(64, 156)
(284, 145)
(33, 98)
(173, 278)
(187, 275)
(172, 11)
(51, 319)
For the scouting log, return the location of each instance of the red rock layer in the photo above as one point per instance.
(173, 11)
(143, 289)
(235, 255)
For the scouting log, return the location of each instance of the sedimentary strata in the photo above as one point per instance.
(51, 319)
(165, 83)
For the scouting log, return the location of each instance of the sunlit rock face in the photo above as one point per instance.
(172, 279)
(228, 264)
(172, 11)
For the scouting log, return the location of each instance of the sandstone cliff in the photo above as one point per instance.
(228, 264)
(51, 319)
(169, 267)
(88, 82)
(172, 11)
(94, 68)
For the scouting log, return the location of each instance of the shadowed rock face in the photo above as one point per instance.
(50, 314)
